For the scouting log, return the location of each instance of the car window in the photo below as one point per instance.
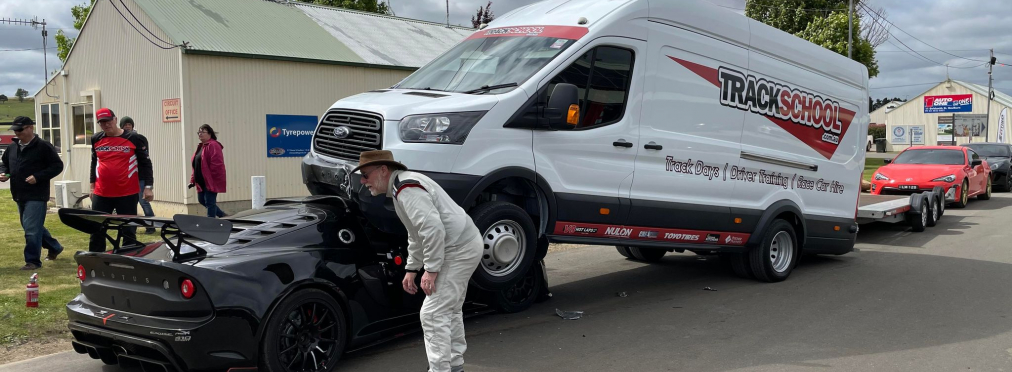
(990, 150)
(931, 156)
(973, 154)
(602, 77)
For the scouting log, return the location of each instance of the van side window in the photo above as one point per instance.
(602, 76)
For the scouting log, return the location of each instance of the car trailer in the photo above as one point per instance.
(920, 210)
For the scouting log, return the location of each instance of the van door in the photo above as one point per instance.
(590, 166)
(689, 141)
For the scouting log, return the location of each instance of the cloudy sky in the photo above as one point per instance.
(964, 28)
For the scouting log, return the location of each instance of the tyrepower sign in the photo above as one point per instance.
(170, 110)
(949, 103)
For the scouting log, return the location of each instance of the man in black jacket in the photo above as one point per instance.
(30, 163)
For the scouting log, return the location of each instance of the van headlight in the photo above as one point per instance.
(450, 128)
(949, 178)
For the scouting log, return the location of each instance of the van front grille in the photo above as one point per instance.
(364, 133)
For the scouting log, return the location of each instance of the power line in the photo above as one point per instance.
(139, 31)
(139, 22)
(779, 8)
(915, 38)
(22, 50)
(904, 86)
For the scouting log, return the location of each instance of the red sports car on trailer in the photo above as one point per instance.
(960, 171)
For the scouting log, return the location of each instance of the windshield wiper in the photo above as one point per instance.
(486, 88)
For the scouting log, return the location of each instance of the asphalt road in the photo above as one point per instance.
(933, 301)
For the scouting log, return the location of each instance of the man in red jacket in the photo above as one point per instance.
(119, 162)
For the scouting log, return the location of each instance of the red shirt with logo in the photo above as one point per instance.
(118, 164)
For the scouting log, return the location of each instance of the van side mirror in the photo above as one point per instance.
(563, 110)
(887, 161)
(975, 162)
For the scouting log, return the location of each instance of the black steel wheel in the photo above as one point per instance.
(521, 295)
(305, 333)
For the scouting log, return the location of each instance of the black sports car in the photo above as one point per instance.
(286, 288)
(999, 157)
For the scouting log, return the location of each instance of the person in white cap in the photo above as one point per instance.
(443, 244)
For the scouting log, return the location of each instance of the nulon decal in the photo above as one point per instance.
(620, 232)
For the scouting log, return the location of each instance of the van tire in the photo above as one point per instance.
(624, 251)
(777, 255)
(739, 264)
(521, 295)
(504, 227)
(647, 254)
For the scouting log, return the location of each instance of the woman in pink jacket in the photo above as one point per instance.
(208, 171)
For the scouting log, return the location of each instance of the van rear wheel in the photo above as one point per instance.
(509, 245)
(643, 254)
(776, 257)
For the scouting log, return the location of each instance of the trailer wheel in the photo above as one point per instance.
(935, 211)
(776, 257)
(510, 244)
(939, 193)
(919, 220)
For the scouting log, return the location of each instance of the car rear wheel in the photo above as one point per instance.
(987, 191)
(642, 254)
(306, 332)
(510, 244)
(774, 260)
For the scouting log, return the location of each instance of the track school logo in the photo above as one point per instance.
(819, 122)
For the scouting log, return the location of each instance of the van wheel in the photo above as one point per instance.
(774, 260)
(739, 264)
(510, 244)
(624, 251)
(521, 295)
(646, 254)
(987, 192)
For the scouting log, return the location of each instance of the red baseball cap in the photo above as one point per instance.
(104, 114)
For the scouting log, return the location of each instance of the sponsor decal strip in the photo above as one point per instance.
(819, 122)
(651, 234)
(561, 32)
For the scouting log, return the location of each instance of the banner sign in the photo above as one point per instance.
(289, 136)
(948, 103)
(1001, 125)
(970, 124)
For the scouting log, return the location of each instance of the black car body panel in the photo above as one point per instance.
(131, 305)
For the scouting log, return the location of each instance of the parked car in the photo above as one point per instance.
(999, 157)
(286, 288)
(959, 170)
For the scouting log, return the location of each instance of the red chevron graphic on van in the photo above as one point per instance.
(819, 122)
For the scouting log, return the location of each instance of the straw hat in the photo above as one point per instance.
(378, 157)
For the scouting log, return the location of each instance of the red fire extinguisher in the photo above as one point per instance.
(32, 291)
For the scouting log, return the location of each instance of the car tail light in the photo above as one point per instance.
(81, 273)
(187, 289)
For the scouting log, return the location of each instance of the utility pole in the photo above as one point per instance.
(35, 23)
(850, 28)
(990, 93)
(447, 13)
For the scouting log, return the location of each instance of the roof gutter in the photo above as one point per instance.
(295, 59)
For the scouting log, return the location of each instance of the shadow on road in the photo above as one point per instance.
(832, 306)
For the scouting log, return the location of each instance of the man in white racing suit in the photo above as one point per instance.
(443, 244)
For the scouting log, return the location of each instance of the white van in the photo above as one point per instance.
(653, 126)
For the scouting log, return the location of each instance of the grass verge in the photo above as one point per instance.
(21, 327)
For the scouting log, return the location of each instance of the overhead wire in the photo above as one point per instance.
(139, 31)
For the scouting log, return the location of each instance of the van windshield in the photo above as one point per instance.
(487, 62)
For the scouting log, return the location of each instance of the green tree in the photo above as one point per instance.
(21, 94)
(3, 98)
(64, 43)
(484, 16)
(373, 6)
(822, 22)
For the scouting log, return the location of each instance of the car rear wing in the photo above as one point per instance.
(174, 232)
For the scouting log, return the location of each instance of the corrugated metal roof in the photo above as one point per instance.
(251, 27)
(385, 40)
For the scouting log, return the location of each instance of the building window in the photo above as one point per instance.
(50, 124)
(84, 123)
